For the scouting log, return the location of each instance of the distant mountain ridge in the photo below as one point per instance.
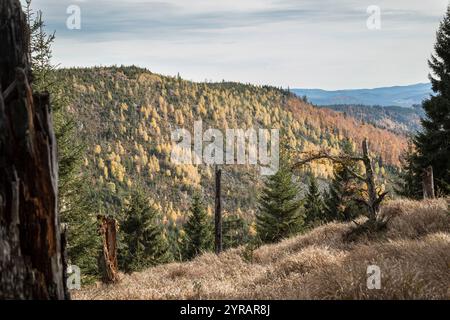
(402, 96)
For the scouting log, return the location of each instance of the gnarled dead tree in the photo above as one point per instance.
(374, 198)
(31, 259)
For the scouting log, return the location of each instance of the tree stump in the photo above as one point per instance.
(108, 230)
(31, 259)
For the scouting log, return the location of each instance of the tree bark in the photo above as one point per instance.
(218, 213)
(109, 266)
(31, 260)
(370, 181)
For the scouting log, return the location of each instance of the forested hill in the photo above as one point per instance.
(125, 116)
(399, 120)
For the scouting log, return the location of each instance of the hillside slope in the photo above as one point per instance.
(125, 116)
(399, 120)
(413, 254)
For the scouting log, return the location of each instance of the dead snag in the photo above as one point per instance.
(218, 213)
(428, 183)
(374, 198)
(31, 260)
(108, 259)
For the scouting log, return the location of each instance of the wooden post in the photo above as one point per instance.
(428, 183)
(108, 230)
(31, 259)
(370, 181)
(218, 213)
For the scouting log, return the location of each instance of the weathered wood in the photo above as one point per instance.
(218, 213)
(370, 181)
(108, 259)
(31, 263)
(428, 183)
(15, 39)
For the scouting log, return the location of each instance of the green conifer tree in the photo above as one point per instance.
(410, 184)
(143, 238)
(433, 142)
(279, 209)
(235, 231)
(198, 230)
(340, 200)
(314, 205)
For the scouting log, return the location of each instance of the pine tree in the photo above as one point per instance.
(176, 239)
(340, 200)
(279, 215)
(198, 230)
(410, 184)
(236, 231)
(314, 205)
(433, 142)
(144, 242)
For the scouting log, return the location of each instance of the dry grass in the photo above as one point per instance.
(413, 254)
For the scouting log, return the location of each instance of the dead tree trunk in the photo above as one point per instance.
(31, 260)
(218, 213)
(428, 183)
(108, 230)
(370, 182)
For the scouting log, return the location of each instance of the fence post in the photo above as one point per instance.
(218, 212)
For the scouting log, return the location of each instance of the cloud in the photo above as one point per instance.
(283, 42)
(173, 19)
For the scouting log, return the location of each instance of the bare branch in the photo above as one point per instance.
(340, 159)
(374, 198)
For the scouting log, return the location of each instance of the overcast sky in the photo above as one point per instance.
(297, 43)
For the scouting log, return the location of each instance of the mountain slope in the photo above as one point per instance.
(403, 96)
(125, 116)
(413, 255)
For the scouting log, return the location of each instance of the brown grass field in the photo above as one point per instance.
(413, 254)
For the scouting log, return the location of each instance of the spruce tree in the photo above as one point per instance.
(340, 200)
(198, 230)
(410, 184)
(279, 215)
(144, 242)
(236, 231)
(433, 142)
(314, 205)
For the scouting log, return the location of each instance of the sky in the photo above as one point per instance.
(323, 44)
